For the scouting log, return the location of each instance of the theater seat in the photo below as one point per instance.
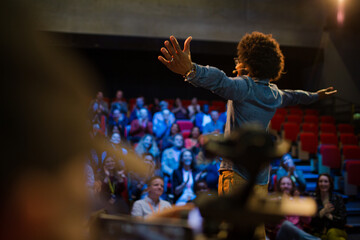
(351, 152)
(185, 125)
(311, 119)
(310, 127)
(277, 121)
(185, 133)
(330, 156)
(328, 138)
(294, 118)
(307, 145)
(345, 128)
(328, 128)
(291, 131)
(348, 139)
(351, 177)
(327, 119)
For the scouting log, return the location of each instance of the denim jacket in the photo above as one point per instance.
(249, 101)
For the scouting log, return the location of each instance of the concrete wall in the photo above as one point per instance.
(294, 23)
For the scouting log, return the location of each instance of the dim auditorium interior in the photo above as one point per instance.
(128, 106)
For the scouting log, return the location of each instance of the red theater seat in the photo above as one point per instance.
(345, 128)
(277, 121)
(330, 156)
(310, 127)
(311, 119)
(328, 138)
(291, 131)
(295, 111)
(294, 118)
(351, 152)
(311, 112)
(281, 111)
(185, 125)
(327, 128)
(327, 119)
(353, 170)
(309, 142)
(348, 139)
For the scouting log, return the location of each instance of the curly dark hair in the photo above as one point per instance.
(261, 55)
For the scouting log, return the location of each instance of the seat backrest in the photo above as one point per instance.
(351, 152)
(277, 121)
(294, 118)
(327, 119)
(328, 138)
(309, 142)
(330, 156)
(345, 128)
(328, 128)
(311, 119)
(353, 169)
(310, 127)
(348, 139)
(185, 124)
(291, 130)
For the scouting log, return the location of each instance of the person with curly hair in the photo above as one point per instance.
(252, 97)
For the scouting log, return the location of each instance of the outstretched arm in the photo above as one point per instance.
(294, 97)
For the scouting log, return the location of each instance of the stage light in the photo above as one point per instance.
(340, 16)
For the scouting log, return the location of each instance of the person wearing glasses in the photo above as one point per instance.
(252, 98)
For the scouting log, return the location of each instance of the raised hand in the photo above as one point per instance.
(175, 59)
(327, 92)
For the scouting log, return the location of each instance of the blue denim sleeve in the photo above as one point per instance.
(216, 81)
(294, 97)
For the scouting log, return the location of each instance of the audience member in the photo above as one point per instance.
(162, 123)
(170, 156)
(168, 141)
(202, 118)
(288, 168)
(148, 145)
(140, 103)
(119, 102)
(330, 219)
(184, 177)
(155, 106)
(137, 184)
(178, 110)
(141, 126)
(117, 122)
(193, 142)
(193, 109)
(290, 227)
(214, 126)
(152, 202)
(113, 187)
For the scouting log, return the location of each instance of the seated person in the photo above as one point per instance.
(148, 145)
(193, 109)
(202, 118)
(214, 126)
(184, 178)
(290, 227)
(119, 102)
(288, 168)
(113, 187)
(141, 126)
(168, 141)
(162, 121)
(152, 203)
(171, 156)
(140, 103)
(117, 120)
(330, 219)
(193, 141)
(178, 110)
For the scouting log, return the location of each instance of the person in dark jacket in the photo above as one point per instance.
(330, 219)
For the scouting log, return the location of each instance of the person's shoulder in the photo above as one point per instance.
(165, 203)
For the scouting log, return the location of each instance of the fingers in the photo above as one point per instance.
(187, 44)
(175, 44)
(170, 48)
